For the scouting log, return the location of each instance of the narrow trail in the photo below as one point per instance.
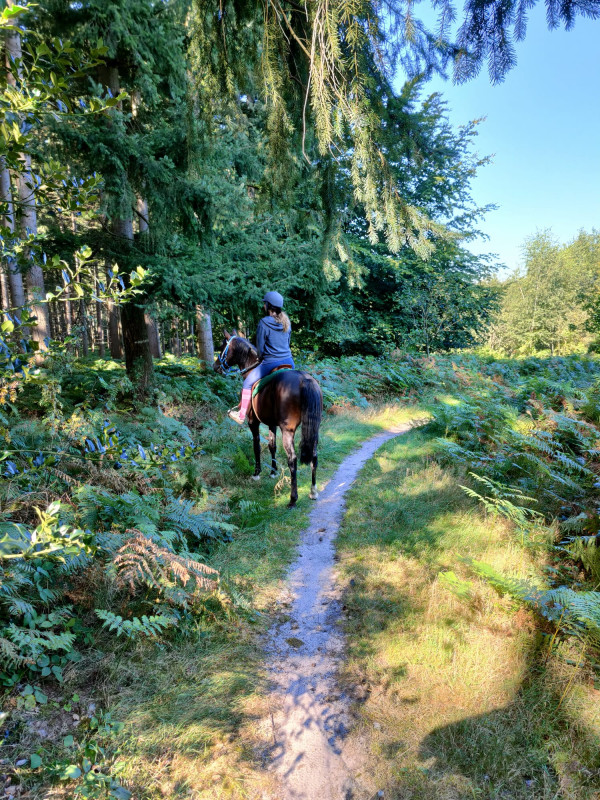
(309, 723)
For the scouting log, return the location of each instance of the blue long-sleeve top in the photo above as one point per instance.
(272, 342)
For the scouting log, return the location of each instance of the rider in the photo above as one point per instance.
(273, 345)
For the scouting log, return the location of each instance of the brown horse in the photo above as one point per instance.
(291, 398)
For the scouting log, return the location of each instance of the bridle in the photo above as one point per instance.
(228, 368)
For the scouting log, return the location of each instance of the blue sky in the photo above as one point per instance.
(543, 127)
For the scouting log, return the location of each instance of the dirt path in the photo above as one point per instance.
(310, 720)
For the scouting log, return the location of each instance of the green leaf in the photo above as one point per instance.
(68, 741)
(71, 772)
(120, 792)
(14, 11)
(36, 761)
(40, 696)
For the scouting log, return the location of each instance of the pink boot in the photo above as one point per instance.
(240, 416)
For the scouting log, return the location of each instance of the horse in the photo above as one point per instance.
(291, 398)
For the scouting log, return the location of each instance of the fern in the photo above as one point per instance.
(498, 501)
(19, 607)
(150, 627)
(517, 588)
(102, 510)
(141, 562)
(574, 613)
(587, 550)
(11, 655)
(580, 612)
(462, 589)
(181, 515)
(32, 643)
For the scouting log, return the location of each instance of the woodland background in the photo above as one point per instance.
(217, 197)
(162, 165)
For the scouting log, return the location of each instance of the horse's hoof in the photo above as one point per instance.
(256, 477)
(273, 475)
(313, 494)
(291, 504)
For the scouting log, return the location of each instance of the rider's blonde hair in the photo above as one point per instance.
(279, 316)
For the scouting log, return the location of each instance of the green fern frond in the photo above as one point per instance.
(150, 627)
(11, 655)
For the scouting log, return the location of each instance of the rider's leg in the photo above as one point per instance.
(245, 404)
(256, 374)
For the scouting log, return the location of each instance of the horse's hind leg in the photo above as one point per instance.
(254, 427)
(273, 450)
(288, 444)
(314, 494)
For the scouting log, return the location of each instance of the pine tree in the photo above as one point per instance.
(324, 68)
(139, 148)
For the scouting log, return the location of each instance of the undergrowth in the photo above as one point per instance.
(460, 690)
(128, 534)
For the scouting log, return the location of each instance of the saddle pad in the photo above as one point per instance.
(260, 385)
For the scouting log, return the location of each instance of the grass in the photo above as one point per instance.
(191, 711)
(455, 699)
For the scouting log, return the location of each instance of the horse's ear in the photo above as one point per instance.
(226, 334)
(235, 333)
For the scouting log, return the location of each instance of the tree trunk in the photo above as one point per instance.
(5, 289)
(85, 341)
(192, 347)
(15, 279)
(206, 348)
(7, 222)
(34, 277)
(175, 339)
(153, 336)
(114, 331)
(143, 228)
(99, 327)
(68, 312)
(138, 358)
(28, 214)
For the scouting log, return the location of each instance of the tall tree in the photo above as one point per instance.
(551, 305)
(26, 216)
(139, 147)
(324, 66)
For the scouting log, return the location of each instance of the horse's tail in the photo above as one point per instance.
(311, 403)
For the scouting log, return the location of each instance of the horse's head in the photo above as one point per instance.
(235, 352)
(224, 359)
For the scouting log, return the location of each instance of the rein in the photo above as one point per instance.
(226, 367)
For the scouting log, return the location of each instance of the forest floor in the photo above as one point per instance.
(430, 696)
(457, 698)
(429, 683)
(194, 714)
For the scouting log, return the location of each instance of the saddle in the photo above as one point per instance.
(260, 384)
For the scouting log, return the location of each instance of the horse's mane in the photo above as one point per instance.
(246, 347)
